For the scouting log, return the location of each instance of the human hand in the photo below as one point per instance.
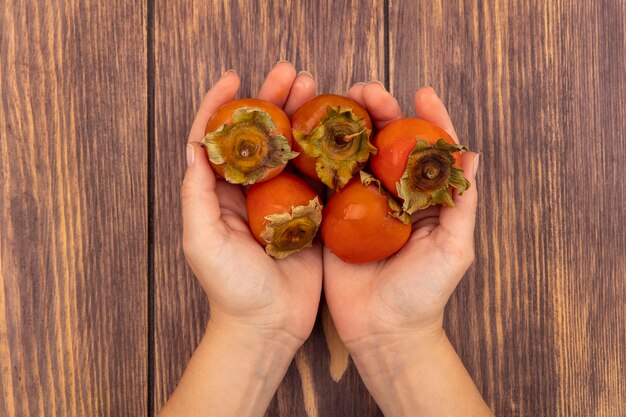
(249, 292)
(380, 305)
(262, 309)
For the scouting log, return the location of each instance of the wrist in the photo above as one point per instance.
(272, 328)
(420, 374)
(383, 355)
(255, 343)
(233, 372)
(248, 367)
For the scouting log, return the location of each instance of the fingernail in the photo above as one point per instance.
(378, 83)
(191, 154)
(303, 72)
(359, 83)
(476, 161)
(229, 72)
(282, 61)
(433, 90)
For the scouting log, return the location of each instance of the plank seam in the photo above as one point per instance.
(387, 80)
(151, 201)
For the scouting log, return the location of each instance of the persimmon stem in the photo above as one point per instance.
(429, 174)
(340, 143)
(248, 147)
(287, 233)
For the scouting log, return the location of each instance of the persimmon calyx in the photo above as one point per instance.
(248, 146)
(340, 143)
(429, 174)
(394, 206)
(287, 233)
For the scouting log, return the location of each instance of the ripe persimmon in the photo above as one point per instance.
(284, 214)
(332, 135)
(362, 223)
(418, 162)
(248, 140)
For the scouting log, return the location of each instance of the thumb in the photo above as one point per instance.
(456, 224)
(200, 205)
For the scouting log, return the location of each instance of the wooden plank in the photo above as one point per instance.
(73, 241)
(539, 89)
(340, 43)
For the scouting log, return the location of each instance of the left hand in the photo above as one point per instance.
(248, 291)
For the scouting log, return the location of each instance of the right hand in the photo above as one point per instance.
(397, 303)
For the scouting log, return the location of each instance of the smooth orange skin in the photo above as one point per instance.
(224, 115)
(396, 141)
(309, 115)
(277, 195)
(305, 164)
(356, 225)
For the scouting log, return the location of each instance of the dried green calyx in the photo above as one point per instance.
(429, 174)
(248, 147)
(287, 233)
(394, 206)
(340, 143)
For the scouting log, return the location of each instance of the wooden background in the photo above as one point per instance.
(98, 310)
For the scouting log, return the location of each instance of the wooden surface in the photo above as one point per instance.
(98, 311)
(73, 243)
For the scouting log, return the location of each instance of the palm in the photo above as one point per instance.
(258, 286)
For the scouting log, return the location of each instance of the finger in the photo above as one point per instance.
(356, 93)
(302, 90)
(380, 104)
(200, 204)
(456, 224)
(221, 93)
(430, 107)
(277, 84)
(432, 211)
(425, 217)
(424, 221)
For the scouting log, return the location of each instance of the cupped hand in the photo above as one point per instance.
(247, 289)
(382, 303)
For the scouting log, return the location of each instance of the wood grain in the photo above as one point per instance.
(195, 42)
(539, 89)
(73, 243)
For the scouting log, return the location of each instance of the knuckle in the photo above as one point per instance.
(186, 191)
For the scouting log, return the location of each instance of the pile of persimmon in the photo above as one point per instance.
(414, 164)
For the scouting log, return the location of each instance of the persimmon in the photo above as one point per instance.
(284, 214)
(419, 163)
(248, 140)
(332, 135)
(362, 223)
